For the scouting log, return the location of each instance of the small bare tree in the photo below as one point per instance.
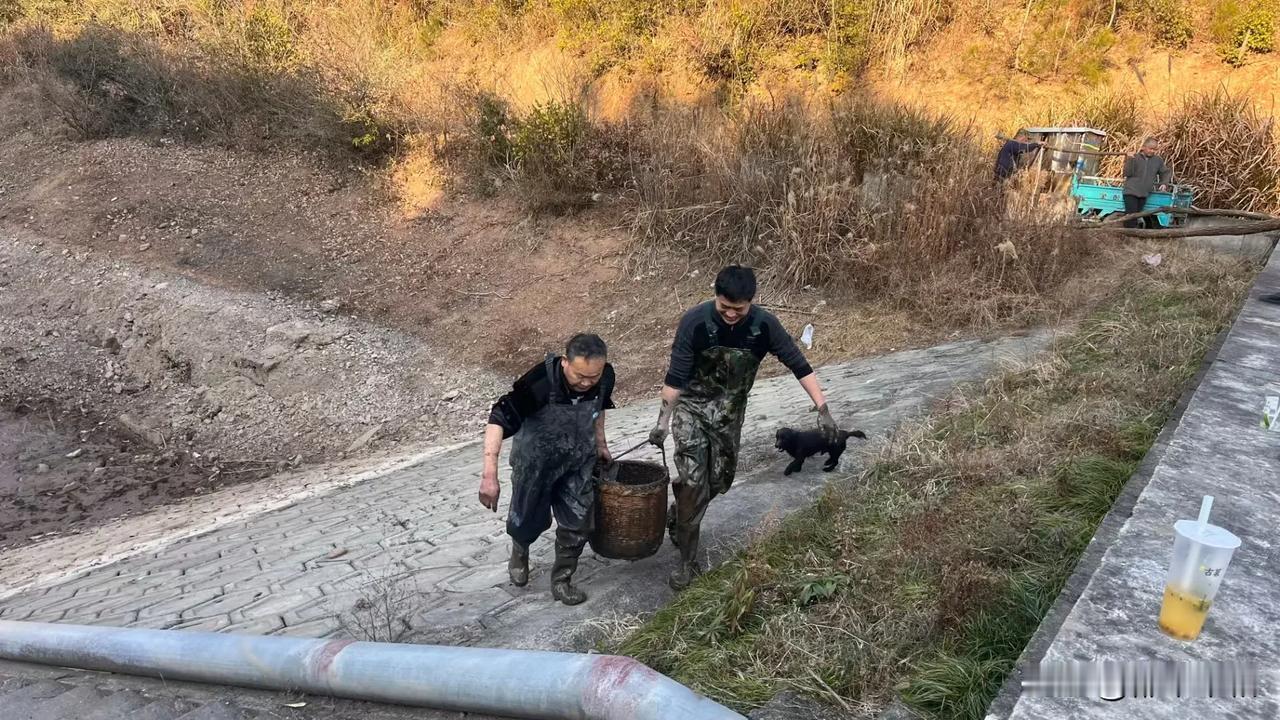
(382, 608)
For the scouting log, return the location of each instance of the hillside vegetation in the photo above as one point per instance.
(845, 146)
(765, 131)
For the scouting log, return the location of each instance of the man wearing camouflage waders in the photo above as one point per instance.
(717, 350)
(556, 413)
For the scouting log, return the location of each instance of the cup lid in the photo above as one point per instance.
(1213, 535)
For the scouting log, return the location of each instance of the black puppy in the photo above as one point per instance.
(800, 444)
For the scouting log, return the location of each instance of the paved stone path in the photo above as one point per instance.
(416, 539)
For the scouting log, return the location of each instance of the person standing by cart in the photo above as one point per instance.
(556, 412)
(1142, 172)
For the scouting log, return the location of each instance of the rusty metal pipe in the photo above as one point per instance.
(510, 683)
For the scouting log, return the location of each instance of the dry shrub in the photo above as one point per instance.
(555, 155)
(105, 82)
(878, 199)
(1219, 142)
(382, 608)
(479, 150)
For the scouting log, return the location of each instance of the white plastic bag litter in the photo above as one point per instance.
(806, 337)
(1271, 413)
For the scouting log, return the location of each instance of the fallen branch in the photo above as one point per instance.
(498, 295)
(1230, 213)
(1253, 228)
(780, 308)
(1199, 212)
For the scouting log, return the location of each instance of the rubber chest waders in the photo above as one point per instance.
(552, 458)
(707, 427)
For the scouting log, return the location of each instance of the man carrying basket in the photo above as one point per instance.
(556, 413)
(717, 351)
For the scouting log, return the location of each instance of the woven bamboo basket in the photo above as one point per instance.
(631, 510)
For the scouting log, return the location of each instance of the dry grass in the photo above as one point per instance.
(876, 199)
(105, 82)
(925, 575)
(345, 76)
(866, 200)
(380, 79)
(1221, 144)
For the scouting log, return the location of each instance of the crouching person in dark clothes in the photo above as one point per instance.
(717, 350)
(556, 413)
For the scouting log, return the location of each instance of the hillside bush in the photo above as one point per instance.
(1244, 29)
(1170, 23)
(562, 157)
(555, 154)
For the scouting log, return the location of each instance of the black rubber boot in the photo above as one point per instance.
(566, 564)
(518, 565)
(671, 525)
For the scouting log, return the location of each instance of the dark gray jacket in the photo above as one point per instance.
(1142, 174)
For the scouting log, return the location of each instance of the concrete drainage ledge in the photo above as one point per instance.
(1258, 245)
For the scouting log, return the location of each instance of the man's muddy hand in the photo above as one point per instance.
(658, 436)
(827, 424)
